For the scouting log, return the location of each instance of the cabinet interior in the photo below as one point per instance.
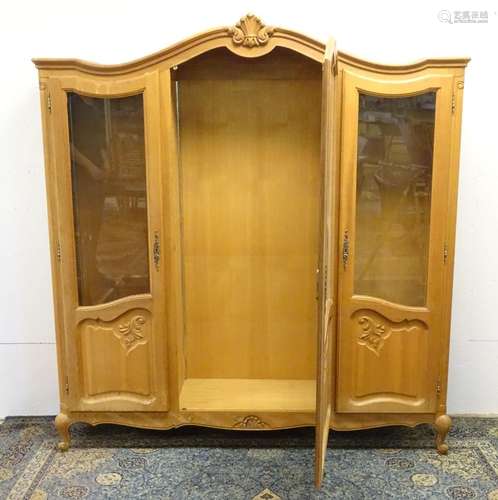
(250, 202)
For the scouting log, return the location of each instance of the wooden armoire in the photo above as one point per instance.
(252, 230)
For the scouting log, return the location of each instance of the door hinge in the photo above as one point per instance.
(67, 385)
(345, 249)
(49, 103)
(445, 253)
(321, 283)
(325, 277)
(156, 250)
(438, 388)
(58, 252)
(453, 103)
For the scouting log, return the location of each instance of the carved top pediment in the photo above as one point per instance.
(248, 38)
(250, 32)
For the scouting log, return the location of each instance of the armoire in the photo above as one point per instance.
(252, 230)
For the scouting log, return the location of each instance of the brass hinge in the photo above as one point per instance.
(156, 250)
(445, 252)
(49, 103)
(58, 252)
(325, 277)
(345, 249)
(453, 103)
(438, 388)
(67, 385)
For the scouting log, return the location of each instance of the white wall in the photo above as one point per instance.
(119, 30)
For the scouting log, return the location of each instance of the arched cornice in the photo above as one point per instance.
(250, 37)
(419, 65)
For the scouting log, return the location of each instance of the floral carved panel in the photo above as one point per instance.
(373, 329)
(114, 357)
(131, 328)
(131, 332)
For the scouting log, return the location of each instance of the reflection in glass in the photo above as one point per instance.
(109, 196)
(393, 199)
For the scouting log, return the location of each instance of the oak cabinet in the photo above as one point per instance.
(252, 230)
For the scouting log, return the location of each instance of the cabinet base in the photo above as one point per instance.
(243, 421)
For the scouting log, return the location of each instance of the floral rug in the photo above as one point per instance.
(193, 463)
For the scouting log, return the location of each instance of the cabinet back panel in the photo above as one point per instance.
(250, 195)
(221, 64)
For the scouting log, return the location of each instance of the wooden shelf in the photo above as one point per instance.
(247, 395)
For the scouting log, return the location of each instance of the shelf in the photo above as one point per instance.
(249, 395)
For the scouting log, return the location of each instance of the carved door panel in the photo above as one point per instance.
(326, 334)
(395, 157)
(107, 160)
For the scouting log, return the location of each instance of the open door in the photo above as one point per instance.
(324, 396)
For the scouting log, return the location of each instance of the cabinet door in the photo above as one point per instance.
(326, 333)
(394, 177)
(108, 189)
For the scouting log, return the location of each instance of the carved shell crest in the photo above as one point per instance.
(250, 32)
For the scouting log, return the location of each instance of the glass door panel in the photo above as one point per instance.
(394, 157)
(108, 176)
(393, 198)
(109, 196)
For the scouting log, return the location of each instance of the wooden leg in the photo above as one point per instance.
(442, 426)
(62, 423)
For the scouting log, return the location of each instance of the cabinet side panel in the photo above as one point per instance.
(172, 237)
(53, 223)
(458, 86)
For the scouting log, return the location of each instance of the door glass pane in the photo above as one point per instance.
(109, 196)
(393, 198)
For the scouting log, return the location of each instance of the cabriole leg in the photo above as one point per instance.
(442, 426)
(62, 423)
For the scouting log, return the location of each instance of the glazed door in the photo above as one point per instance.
(108, 190)
(327, 272)
(394, 175)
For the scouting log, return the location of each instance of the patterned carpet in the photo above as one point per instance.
(192, 463)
